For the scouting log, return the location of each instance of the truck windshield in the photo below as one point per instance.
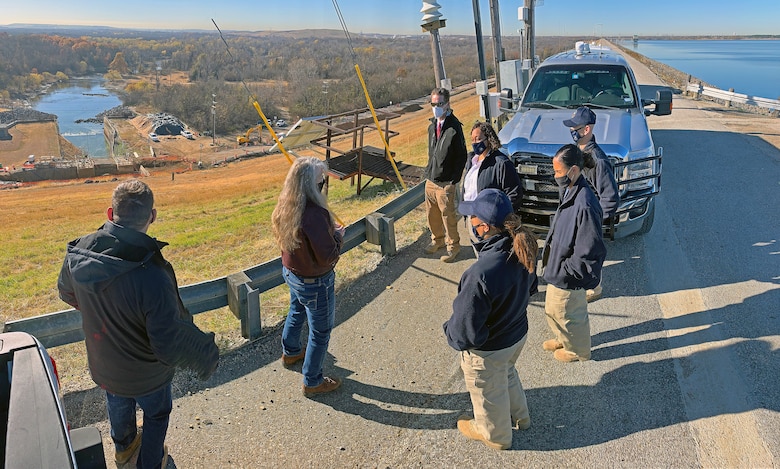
(575, 85)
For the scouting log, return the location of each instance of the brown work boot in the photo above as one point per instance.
(593, 295)
(125, 455)
(452, 253)
(290, 360)
(551, 345)
(467, 429)
(328, 384)
(565, 356)
(522, 424)
(433, 247)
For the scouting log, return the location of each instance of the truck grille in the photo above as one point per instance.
(540, 192)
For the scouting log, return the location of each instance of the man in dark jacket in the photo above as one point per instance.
(572, 258)
(446, 159)
(599, 172)
(136, 328)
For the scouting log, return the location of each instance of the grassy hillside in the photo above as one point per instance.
(216, 221)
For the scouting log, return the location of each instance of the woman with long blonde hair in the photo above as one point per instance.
(310, 241)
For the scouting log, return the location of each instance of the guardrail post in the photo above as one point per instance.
(380, 230)
(244, 303)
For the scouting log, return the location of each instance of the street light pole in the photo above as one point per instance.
(213, 120)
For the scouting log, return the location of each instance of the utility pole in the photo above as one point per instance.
(432, 22)
(481, 54)
(529, 51)
(498, 50)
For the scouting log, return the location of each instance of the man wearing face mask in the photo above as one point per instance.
(572, 258)
(598, 170)
(446, 159)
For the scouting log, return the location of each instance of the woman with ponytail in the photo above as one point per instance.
(489, 322)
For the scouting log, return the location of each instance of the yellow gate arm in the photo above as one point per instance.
(378, 127)
(268, 126)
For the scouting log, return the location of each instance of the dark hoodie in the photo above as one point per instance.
(136, 328)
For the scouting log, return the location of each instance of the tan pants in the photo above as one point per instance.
(442, 218)
(496, 393)
(567, 316)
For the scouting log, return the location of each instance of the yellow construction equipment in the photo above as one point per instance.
(246, 140)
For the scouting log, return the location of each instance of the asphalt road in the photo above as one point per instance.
(684, 369)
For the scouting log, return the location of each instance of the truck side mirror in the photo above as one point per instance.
(505, 101)
(663, 103)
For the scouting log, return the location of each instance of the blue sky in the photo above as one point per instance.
(554, 17)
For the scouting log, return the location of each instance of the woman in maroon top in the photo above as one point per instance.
(311, 241)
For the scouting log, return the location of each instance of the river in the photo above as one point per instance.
(749, 66)
(80, 98)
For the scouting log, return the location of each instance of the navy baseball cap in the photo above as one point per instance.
(582, 116)
(491, 206)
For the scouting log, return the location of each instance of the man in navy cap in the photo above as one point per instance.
(598, 170)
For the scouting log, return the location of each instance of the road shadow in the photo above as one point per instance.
(87, 407)
(394, 407)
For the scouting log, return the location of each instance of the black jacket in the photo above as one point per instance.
(136, 328)
(447, 154)
(497, 172)
(602, 179)
(574, 251)
(489, 312)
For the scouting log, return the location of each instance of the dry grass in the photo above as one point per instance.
(216, 221)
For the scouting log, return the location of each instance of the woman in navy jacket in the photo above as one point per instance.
(487, 167)
(573, 255)
(489, 322)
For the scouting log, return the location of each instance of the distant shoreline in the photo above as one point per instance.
(97, 30)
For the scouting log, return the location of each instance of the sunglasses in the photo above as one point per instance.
(439, 104)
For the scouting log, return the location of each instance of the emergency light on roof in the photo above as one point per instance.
(582, 47)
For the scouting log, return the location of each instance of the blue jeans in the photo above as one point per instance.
(157, 410)
(315, 300)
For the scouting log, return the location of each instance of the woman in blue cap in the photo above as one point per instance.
(489, 322)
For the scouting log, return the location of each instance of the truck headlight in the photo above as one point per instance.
(638, 170)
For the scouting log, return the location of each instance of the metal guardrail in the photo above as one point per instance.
(64, 327)
(732, 97)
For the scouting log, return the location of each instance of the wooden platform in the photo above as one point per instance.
(374, 164)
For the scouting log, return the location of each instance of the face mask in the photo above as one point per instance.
(575, 135)
(564, 181)
(438, 112)
(474, 232)
(479, 147)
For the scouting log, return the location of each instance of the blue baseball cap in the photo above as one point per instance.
(582, 116)
(491, 206)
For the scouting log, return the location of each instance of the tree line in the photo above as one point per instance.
(306, 73)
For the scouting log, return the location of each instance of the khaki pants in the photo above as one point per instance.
(442, 219)
(496, 393)
(567, 316)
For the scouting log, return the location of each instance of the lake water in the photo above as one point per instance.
(751, 67)
(80, 98)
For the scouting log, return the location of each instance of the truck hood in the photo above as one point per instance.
(541, 131)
